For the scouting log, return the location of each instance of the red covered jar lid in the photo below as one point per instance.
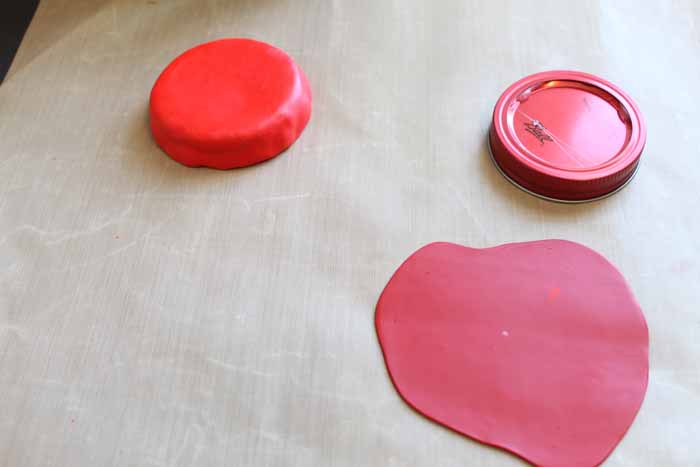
(567, 136)
(229, 103)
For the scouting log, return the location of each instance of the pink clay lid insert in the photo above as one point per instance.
(538, 348)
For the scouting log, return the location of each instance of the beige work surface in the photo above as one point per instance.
(156, 315)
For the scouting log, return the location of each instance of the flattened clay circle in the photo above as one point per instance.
(229, 103)
(538, 348)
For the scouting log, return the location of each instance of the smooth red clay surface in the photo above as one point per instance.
(538, 348)
(229, 103)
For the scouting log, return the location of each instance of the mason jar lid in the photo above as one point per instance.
(567, 136)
